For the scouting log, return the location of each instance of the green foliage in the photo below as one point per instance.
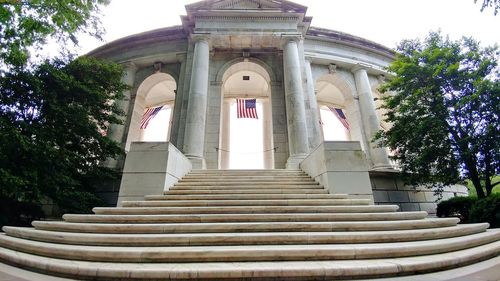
(495, 190)
(51, 124)
(486, 210)
(29, 24)
(456, 207)
(443, 107)
(495, 4)
(17, 213)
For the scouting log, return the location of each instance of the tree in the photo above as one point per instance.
(52, 124)
(490, 3)
(27, 24)
(443, 104)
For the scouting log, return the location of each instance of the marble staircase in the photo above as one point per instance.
(246, 225)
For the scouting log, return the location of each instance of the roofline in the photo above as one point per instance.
(352, 40)
(178, 32)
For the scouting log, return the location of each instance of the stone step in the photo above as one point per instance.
(246, 186)
(298, 270)
(247, 172)
(248, 253)
(231, 177)
(208, 203)
(238, 187)
(244, 217)
(255, 184)
(247, 191)
(245, 197)
(243, 210)
(244, 227)
(259, 238)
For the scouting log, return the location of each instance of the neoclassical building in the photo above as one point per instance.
(265, 50)
(305, 211)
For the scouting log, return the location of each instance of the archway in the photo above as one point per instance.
(335, 109)
(153, 108)
(246, 143)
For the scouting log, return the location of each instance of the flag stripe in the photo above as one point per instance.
(340, 115)
(149, 115)
(246, 108)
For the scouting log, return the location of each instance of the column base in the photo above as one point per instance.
(293, 162)
(197, 162)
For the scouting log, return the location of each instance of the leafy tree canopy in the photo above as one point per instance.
(444, 106)
(26, 24)
(52, 124)
(495, 4)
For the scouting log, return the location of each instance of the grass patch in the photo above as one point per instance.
(472, 189)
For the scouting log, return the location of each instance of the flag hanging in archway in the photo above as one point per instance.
(246, 108)
(148, 115)
(340, 115)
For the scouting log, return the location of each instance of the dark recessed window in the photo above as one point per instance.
(246, 78)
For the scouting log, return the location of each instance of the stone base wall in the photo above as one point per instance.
(388, 188)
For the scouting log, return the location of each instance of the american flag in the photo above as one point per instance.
(148, 115)
(340, 115)
(246, 108)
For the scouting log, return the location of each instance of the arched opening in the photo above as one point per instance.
(154, 103)
(334, 110)
(246, 143)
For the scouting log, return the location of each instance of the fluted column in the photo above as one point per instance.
(295, 110)
(194, 136)
(371, 123)
(315, 138)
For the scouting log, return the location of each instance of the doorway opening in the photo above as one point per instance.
(246, 142)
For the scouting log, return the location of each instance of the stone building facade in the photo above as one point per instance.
(195, 70)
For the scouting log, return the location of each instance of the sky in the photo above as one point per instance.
(383, 21)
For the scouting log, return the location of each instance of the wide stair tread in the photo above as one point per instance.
(244, 226)
(279, 217)
(248, 252)
(243, 238)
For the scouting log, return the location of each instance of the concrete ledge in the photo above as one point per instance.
(341, 167)
(151, 168)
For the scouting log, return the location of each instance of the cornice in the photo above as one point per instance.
(328, 35)
(141, 39)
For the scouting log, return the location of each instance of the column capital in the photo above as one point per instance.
(129, 66)
(286, 38)
(200, 37)
(181, 57)
(360, 66)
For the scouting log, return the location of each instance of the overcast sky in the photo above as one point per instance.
(384, 21)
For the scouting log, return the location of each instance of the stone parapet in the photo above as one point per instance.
(151, 168)
(341, 167)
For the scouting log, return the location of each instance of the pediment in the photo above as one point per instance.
(217, 5)
(244, 4)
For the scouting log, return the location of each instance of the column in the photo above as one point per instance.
(316, 138)
(378, 155)
(267, 134)
(118, 132)
(224, 135)
(176, 116)
(295, 109)
(194, 136)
